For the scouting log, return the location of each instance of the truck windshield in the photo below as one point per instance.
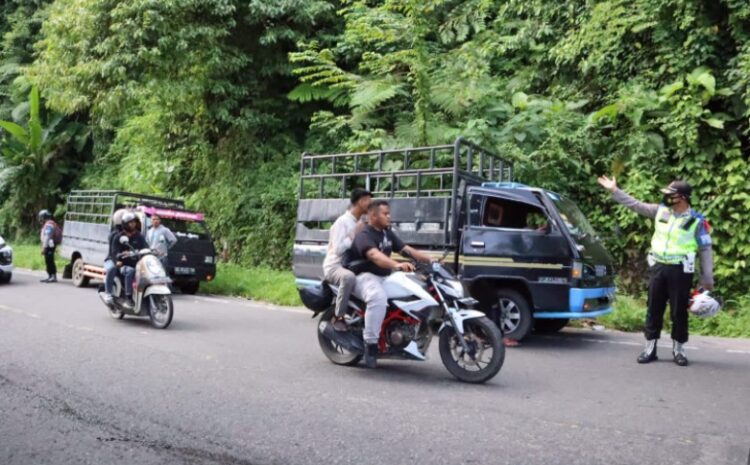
(187, 229)
(573, 218)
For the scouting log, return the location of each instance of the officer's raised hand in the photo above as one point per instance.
(607, 183)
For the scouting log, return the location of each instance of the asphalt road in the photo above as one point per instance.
(239, 383)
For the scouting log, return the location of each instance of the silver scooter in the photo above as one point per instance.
(151, 292)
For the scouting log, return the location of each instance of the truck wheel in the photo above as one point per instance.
(79, 280)
(550, 325)
(5, 279)
(513, 314)
(190, 287)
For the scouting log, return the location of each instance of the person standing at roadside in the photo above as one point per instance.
(680, 234)
(340, 238)
(160, 239)
(50, 236)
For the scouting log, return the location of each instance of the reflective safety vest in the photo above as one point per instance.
(674, 236)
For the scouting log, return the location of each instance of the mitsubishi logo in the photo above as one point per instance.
(183, 259)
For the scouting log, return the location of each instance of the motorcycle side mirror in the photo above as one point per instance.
(124, 240)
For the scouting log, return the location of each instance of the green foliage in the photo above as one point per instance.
(34, 159)
(212, 100)
(649, 90)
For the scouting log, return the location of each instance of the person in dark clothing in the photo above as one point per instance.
(49, 237)
(370, 259)
(123, 253)
(110, 264)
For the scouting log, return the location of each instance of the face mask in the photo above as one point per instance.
(670, 200)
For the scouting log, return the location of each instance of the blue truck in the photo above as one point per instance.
(528, 255)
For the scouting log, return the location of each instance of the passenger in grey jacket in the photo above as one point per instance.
(160, 239)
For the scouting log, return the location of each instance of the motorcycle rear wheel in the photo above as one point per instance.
(160, 310)
(331, 350)
(482, 335)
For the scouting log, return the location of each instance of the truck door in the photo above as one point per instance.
(510, 236)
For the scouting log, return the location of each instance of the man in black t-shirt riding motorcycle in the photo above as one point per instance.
(370, 259)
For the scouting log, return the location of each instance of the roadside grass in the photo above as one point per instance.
(265, 284)
(278, 287)
(732, 321)
(29, 256)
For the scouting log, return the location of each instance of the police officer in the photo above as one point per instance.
(49, 239)
(680, 235)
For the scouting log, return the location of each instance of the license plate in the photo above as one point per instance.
(600, 270)
(183, 270)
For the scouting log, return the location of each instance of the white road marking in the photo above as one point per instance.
(733, 351)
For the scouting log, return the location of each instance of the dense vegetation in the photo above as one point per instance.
(213, 100)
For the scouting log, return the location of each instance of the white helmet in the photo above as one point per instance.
(127, 217)
(703, 305)
(117, 216)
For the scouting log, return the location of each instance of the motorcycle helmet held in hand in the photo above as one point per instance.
(703, 304)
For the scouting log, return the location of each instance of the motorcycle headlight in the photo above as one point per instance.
(209, 259)
(453, 288)
(457, 287)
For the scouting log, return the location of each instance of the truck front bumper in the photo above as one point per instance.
(585, 303)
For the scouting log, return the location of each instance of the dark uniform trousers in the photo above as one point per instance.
(49, 259)
(668, 283)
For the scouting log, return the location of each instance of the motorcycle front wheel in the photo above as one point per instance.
(160, 310)
(334, 352)
(486, 351)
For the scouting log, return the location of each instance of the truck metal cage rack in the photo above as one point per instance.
(423, 185)
(97, 206)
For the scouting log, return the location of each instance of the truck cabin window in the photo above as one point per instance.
(182, 228)
(501, 213)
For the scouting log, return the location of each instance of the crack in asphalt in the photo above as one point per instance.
(120, 435)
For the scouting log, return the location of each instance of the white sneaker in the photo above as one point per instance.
(108, 299)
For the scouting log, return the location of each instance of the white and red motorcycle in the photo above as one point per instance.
(470, 344)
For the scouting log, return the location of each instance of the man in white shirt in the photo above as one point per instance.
(340, 240)
(161, 239)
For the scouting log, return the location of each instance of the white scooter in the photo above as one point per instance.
(150, 290)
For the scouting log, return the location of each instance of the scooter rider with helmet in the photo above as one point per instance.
(680, 235)
(125, 258)
(110, 263)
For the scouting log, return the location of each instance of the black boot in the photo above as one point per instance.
(678, 352)
(371, 354)
(649, 352)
